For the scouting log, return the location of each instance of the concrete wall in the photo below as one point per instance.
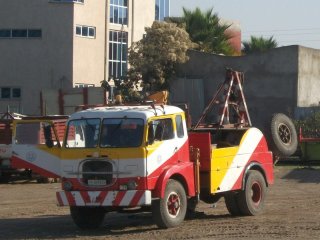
(270, 85)
(309, 77)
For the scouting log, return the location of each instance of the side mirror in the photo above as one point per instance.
(48, 136)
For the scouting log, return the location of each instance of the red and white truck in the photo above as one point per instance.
(143, 156)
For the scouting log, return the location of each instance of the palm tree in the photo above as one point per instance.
(258, 44)
(206, 30)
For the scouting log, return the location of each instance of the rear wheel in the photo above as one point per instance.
(87, 217)
(170, 210)
(232, 204)
(251, 200)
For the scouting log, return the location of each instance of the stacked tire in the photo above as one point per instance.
(282, 136)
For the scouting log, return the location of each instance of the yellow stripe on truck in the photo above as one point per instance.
(228, 163)
(221, 161)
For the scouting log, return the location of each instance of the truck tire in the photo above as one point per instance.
(87, 217)
(251, 199)
(283, 140)
(170, 210)
(232, 204)
(4, 177)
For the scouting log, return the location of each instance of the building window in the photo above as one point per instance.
(16, 93)
(83, 85)
(85, 31)
(10, 93)
(162, 9)
(119, 12)
(118, 49)
(34, 33)
(67, 1)
(20, 33)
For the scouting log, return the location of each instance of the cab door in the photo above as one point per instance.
(36, 146)
(162, 147)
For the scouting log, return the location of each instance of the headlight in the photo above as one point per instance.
(132, 185)
(67, 186)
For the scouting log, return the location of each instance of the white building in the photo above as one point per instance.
(61, 44)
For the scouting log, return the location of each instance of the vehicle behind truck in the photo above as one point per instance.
(25, 162)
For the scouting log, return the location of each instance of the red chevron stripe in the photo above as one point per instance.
(136, 198)
(70, 199)
(59, 199)
(119, 198)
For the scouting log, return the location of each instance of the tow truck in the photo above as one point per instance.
(144, 156)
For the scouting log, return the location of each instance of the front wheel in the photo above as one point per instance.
(87, 217)
(251, 200)
(170, 210)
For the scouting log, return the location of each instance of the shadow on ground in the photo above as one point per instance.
(306, 174)
(62, 227)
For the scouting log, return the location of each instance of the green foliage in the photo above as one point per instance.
(206, 30)
(126, 88)
(258, 44)
(154, 58)
(310, 126)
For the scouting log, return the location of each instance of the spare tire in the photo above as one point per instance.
(283, 139)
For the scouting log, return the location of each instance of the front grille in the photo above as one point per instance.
(97, 173)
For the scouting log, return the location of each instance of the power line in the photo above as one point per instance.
(285, 34)
(310, 40)
(283, 30)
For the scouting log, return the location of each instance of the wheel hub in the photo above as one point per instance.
(284, 134)
(256, 193)
(173, 204)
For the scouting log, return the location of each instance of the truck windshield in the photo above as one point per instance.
(83, 133)
(121, 132)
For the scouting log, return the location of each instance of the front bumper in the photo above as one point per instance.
(130, 198)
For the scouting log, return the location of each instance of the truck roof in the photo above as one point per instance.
(139, 111)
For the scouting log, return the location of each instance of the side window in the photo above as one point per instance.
(161, 129)
(36, 133)
(179, 126)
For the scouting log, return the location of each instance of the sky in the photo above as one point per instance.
(290, 22)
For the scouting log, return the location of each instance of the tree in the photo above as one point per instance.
(153, 59)
(258, 44)
(205, 29)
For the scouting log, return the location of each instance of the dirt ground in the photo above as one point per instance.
(29, 211)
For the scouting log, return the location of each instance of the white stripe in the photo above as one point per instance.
(145, 198)
(93, 198)
(241, 159)
(37, 157)
(127, 198)
(64, 198)
(165, 151)
(109, 198)
(78, 198)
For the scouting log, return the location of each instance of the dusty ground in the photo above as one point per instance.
(28, 211)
